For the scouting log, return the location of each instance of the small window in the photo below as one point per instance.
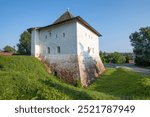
(58, 49)
(45, 36)
(50, 34)
(48, 50)
(89, 49)
(63, 34)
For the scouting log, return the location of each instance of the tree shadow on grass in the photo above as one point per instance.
(124, 84)
(72, 93)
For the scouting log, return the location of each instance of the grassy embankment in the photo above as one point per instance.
(25, 77)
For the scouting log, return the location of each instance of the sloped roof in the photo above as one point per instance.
(67, 16)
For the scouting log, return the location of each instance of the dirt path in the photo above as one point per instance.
(130, 67)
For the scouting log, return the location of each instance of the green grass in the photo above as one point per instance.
(123, 84)
(25, 77)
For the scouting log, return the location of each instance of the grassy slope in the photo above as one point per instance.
(24, 77)
(123, 84)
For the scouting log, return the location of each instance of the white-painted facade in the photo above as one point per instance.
(71, 37)
(70, 48)
(87, 41)
(63, 35)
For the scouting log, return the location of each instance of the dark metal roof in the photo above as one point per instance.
(67, 16)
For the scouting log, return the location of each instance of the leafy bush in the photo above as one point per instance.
(118, 58)
(112, 57)
(128, 57)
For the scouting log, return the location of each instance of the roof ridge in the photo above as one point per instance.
(65, 16)
(69, 13)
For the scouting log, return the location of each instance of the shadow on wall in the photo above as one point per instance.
(90, 66)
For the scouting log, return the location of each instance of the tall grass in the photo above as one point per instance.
(25, 78)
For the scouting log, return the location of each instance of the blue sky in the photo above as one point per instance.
(114, 19)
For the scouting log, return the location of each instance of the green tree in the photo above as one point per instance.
(117, 58)
(112, 57)
(128, 57)
(8, 48)
(109, 58)
(24, 45)
(103, 56)
(141, 43)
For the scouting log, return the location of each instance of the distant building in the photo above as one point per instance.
(70, 46)
(6, 53)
